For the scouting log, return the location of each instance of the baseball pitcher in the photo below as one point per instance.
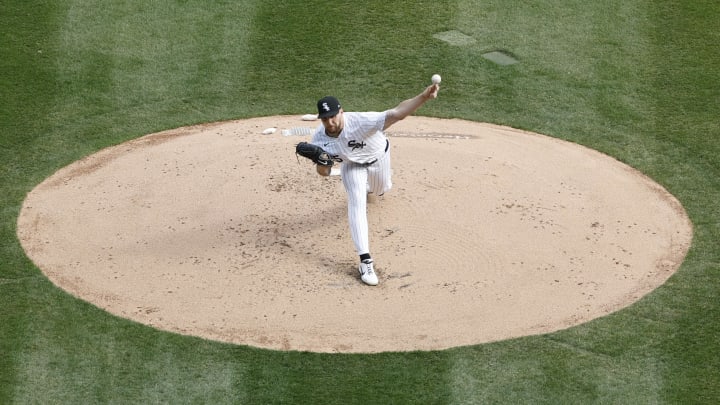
(357, 140)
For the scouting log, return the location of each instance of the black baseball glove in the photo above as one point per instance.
(314, 153)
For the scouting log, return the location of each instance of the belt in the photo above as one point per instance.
(387, 146)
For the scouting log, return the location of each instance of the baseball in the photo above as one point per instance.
(436, 78)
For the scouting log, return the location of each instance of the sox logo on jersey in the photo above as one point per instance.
(355, 145)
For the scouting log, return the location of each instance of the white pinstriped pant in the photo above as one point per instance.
(358, 181)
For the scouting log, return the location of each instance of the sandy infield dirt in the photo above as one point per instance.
(219, 231)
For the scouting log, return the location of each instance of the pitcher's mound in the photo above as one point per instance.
(219, 231)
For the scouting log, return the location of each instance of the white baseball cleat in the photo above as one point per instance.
(367, 272)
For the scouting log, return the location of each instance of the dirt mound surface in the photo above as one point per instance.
(219, 231)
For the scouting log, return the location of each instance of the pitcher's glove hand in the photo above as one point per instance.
(314, 153)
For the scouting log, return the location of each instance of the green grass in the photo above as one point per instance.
(636, 79)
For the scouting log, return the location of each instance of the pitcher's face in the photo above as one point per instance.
(334, 125)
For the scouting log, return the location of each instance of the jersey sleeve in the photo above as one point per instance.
(317, 137)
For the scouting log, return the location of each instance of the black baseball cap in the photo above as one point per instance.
(328, 106)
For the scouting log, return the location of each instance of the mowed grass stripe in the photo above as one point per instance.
(688, 91)
(153, 63)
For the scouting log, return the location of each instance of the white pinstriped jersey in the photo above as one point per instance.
(361, 140)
